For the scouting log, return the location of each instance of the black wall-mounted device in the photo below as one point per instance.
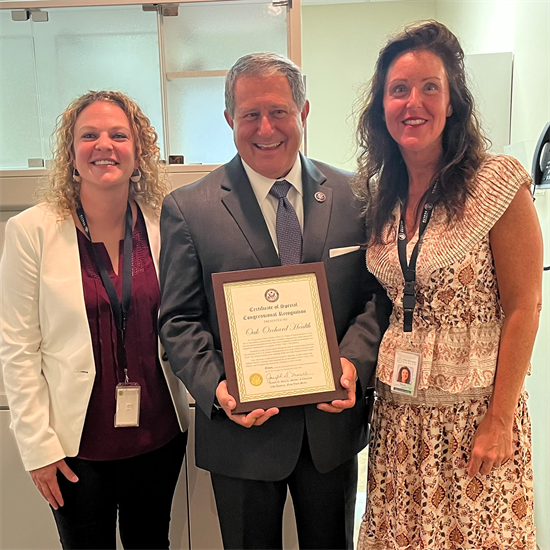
(541, 161)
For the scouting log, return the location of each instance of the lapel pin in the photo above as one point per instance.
(320, 196)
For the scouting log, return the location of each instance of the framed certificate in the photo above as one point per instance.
(278, 339)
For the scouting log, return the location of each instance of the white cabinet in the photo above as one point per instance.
(205, 530)
(25, 518)
(27, 522)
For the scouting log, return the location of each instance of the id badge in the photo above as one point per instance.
(406, 369)
(127, 405)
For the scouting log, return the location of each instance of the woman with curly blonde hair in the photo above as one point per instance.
(62, 190)
(99, 417)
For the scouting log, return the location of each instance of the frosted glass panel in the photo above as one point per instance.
(213, 36)
(45, 65)
(19, 121)
(202, 39)
(98, 48)
(198, 128)
(77, 50)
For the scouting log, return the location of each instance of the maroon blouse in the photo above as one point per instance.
(158, 423)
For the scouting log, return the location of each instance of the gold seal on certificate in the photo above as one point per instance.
(278, 338)
(256, 379)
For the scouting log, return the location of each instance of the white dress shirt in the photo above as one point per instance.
(269, 204)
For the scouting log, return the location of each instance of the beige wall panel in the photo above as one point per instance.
(21, 505)
(17, 188)
(25, 518)
(203, 516)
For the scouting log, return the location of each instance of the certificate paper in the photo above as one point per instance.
(278, 337)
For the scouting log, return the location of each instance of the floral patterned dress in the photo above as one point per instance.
(419, 494)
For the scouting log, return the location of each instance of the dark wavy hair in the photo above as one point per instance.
(382, 180)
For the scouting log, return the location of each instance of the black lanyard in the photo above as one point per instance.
(409, 268)
(120, 310)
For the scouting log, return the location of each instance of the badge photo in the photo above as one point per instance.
(405, 372)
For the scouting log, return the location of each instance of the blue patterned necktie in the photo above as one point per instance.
(289, 233)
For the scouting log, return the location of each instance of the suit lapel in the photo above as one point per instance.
(239, 199)
(62, 245)
(316, 214)
(153, 234)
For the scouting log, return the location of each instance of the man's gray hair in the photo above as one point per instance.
(265, 64)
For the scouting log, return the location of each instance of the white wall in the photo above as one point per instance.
(518, 26)
(341, 44)
(340, 47)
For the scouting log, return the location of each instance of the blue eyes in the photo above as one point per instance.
(118, 136)
(402, 89)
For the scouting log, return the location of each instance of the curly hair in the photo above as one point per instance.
(62, 192)
(382, 179)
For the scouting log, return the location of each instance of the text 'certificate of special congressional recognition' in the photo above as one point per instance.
(278, 338)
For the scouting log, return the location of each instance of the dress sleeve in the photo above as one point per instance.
(495, 186)
(493, 189)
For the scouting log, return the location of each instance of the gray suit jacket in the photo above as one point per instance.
(216, 225)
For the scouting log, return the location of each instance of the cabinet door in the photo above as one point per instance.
(179, 525)
(7, 440)
(203, 516)
(26, 519)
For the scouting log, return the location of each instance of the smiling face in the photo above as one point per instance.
(104, 148)
(267, 125)
(404, 375)
(417, 104)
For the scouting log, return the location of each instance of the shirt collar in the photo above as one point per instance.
(262, 185)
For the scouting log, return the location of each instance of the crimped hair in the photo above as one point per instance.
(63, 193)
(382, 179)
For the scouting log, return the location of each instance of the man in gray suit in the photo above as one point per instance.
(228, 222)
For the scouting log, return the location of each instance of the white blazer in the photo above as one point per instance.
(45, 342)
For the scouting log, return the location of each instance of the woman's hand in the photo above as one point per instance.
(45, 479)
(491, 446)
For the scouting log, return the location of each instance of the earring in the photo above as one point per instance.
(136, 176)
(76, 176)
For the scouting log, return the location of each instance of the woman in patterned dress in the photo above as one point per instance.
(450, 456)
